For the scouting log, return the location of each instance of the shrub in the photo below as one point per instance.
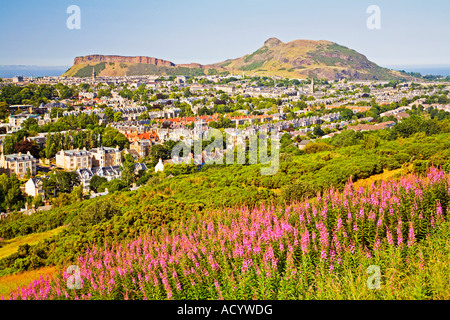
(97, 212)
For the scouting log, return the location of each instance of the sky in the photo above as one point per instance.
(207, 31)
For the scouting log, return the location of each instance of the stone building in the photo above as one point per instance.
(18, 163)
(105, 156)
(74, 159)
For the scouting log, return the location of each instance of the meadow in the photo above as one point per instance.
(319, 248)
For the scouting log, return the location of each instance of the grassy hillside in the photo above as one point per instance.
(11, 246)
(12, 282)
(320, 249)
(307, 58)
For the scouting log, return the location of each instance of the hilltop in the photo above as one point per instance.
(295, 59)
(308, 59)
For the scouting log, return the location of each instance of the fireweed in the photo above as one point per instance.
(261, 253)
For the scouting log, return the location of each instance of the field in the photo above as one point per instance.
(11, 246)
(11, 282)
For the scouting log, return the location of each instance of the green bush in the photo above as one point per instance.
(97, 212)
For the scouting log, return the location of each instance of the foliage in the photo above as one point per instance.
(271, 252)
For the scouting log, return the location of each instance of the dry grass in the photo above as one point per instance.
(11, 246)
(11, 282)
(386, 175)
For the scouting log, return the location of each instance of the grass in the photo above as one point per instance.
(12, 281)
(11, 246)
(423, 275)
(386, 175)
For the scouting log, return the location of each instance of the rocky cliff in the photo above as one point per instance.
(97, 58)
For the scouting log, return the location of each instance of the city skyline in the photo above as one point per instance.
(206, 32)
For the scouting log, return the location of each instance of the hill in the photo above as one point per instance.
(309, 59)
(295, 59)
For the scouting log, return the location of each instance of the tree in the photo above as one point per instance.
(97, 212)
(128, 169)
(109, 113)
(187, 93)
(14, 199)
(9, 144)
(85, 86)
(60, 182)
(24, 146)
(96, 181)
(30, 124)
(38, 201)
(112, 137)
(104, 93)
(4, 110)
(158, 151)
(118, 116)
(318, 132)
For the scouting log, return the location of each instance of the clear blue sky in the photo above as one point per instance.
(206, 31)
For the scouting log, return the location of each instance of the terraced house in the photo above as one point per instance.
(18, 163)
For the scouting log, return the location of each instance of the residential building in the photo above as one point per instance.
(159, 166)
(33, 187)
(16, 120)
(109, 173)
(142, 147)
(18, 163)
(106, 156)
(74, 159)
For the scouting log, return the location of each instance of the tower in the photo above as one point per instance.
(93, 74)
(312, 85)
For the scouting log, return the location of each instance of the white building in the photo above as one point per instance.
(33, 187)
(159, 166)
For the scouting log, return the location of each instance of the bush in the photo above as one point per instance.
(297, 191)
(97, 212)
(420, 166)
(317, 147)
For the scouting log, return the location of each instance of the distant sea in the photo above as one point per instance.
(435, 70)
(28, 71)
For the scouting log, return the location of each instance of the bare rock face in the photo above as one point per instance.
(272, 42)
(121, 59)
(190, 65)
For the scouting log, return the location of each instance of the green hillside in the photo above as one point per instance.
(165, 200)
(307, 58)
